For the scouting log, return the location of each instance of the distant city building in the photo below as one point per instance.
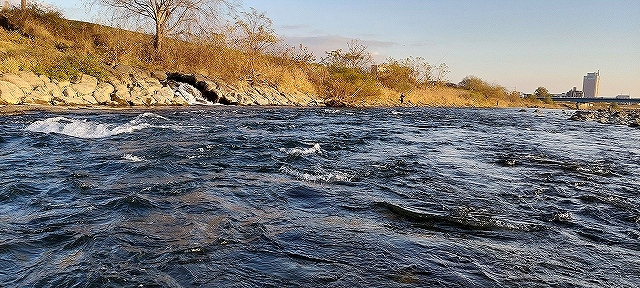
(622, 96)
(591, 85)
(574, 93)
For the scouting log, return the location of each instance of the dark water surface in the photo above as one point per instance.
(246, 197)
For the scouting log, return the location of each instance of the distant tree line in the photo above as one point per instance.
(542, 93)
(487, 90)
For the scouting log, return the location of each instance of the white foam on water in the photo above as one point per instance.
(190, 94)
(303, 151)
(151, 115)
(325, 177)
(81, 128)
(132, 158)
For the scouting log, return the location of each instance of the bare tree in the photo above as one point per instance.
(168, 16)
(356, 56)
(256, 34)
(299, 53)
(441, 72)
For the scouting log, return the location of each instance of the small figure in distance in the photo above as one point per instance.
(401, 98)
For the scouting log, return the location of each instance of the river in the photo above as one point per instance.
(315, 197)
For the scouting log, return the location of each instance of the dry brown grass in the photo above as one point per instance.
(443, 96)
(46, 43)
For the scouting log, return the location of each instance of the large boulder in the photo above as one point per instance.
(39, 96)
(122, 74)
(301, 99)
(226, 95)
(89, 99)
(231, 98)
(103, 92)
(245, 99)
(53, 89)
(160, 75)
(75, 98)
(32, 79)
(152, 85)
(136, 80)
(274, 96)
(69, 97)
(258, 99)
(139, 96)
(18, 81)
(166, 96)
(10, 93)
(62, 84)
(44, 79)
(121, 95)
(86, 86)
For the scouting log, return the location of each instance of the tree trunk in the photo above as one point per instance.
(158, 38)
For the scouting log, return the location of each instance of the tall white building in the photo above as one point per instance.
(591, 85)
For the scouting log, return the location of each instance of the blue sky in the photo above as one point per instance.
(519, 44)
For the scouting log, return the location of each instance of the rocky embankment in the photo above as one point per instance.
(130, 87)
(630, 118)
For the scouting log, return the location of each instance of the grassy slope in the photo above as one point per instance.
(45, 43)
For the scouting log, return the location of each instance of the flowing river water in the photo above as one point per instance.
(263, 197)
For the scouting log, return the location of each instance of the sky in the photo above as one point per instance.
(519, 44)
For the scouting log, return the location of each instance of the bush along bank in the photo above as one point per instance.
(126, 86)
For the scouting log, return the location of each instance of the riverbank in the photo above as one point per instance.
(48, 60)
(125, 86)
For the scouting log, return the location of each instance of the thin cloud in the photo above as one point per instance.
(293, 27)
(422, 44)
